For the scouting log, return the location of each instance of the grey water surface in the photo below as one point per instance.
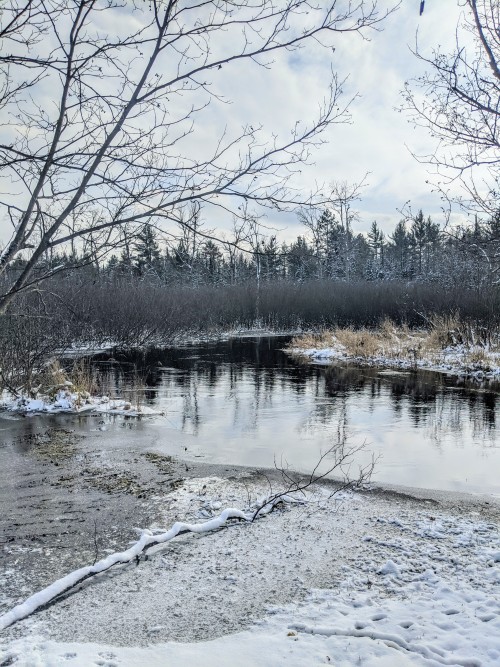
(246, 402)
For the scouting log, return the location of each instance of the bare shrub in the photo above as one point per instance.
(128, 312)
(30, 337)
(445, 330)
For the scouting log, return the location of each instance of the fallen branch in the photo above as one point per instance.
(338, 458)
(146, 541)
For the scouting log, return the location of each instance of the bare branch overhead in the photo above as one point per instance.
(104, 105)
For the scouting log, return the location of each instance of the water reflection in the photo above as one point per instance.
(245, 401)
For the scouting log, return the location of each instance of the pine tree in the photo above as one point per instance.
(146, 251)
(400, 248)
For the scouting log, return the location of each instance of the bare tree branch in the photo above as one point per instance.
(105, 105)
(458, 100)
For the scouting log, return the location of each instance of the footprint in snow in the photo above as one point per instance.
(379, 617)
(487, 617)
(359, 625)
(106, 660)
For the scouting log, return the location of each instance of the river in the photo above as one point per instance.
(246, 402)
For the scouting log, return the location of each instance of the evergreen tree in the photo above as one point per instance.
(376, 241)
(270, 259)
(301, 262)
(419, 237)
(212, 260)
(146, 251)
(400, 250)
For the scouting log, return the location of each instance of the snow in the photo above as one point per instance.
(67, 401)
(404, 583)
(147, 539)
(390, 568)
(450, 360)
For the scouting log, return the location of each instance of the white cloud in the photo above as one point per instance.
(380, 139)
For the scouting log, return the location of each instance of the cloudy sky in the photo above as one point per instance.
(376, 144)
(380, 139)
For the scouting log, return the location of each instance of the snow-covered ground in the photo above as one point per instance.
(454, 360)
(371, 579)
(68, 401)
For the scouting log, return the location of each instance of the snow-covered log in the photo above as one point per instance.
(146, 541)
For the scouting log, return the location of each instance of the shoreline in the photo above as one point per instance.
(326, 358)
(454, 361)
(304, 583)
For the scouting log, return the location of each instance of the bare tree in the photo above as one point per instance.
(330, 227)
(105, 104)
(239, 236)
(458, 100)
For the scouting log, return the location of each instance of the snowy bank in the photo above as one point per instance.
(67, 401)
(372, 580)
(468, 361)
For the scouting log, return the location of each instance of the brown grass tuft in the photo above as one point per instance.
(478, 357)
(360, 343)
(312, 340)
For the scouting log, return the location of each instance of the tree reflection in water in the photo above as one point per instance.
(246, 392)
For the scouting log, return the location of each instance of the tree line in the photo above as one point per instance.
(418, 249)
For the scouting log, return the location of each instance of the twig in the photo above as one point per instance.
(96, 546)
(341, 458)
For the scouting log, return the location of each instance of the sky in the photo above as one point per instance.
(375, 147)
(380, 141)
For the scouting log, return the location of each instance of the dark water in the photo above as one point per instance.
(245, 402)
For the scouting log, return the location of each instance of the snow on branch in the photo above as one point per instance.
(339, 458)
(146, 541)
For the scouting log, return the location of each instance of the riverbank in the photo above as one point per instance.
(75, 403)
(68, 383)
(442, 350)
(373, 578)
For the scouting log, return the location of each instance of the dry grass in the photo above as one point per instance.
(360, 343)
(80, 379)
(51, 378)
(83, 378)
(445, 331)
(478, 358)
(312, 340)
(388, 340)
(400, 342)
